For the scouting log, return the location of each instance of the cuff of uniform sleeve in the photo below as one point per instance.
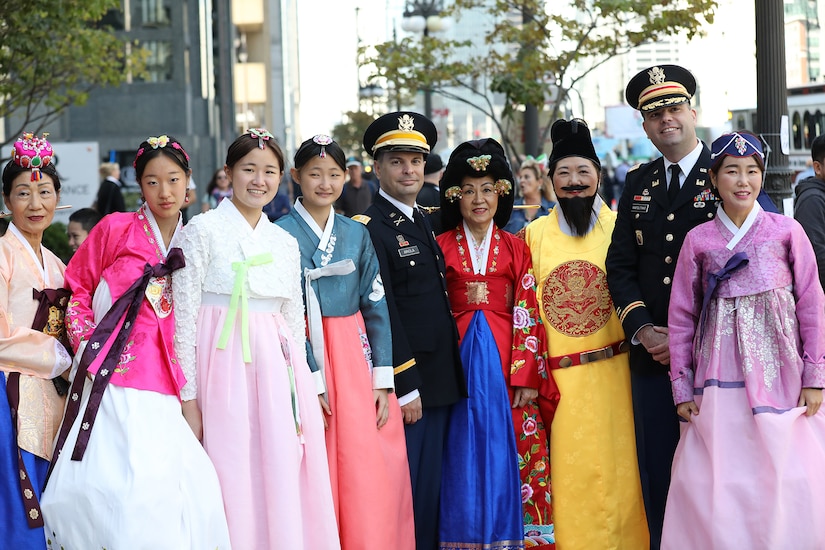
(408, 398)
(635, 340)
(383, 378)
(320, 386)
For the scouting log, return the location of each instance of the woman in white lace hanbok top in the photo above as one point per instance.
(241, 341)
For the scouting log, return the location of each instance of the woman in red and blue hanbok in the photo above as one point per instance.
(495, 484)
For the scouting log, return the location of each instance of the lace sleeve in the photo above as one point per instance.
(293, 308)
(186, 295)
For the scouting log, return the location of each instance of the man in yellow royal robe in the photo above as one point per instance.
(597, 496)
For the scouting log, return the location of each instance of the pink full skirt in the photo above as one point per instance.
(744, 480)
(368, 467)
(275, 482)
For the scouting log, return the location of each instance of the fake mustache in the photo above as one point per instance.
(575, 188)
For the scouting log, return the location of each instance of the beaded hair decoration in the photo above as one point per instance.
(479, 163)
(32, 152)
(159, 143)
(453, 193)
(322, 140)
(262, 135)
(503, 186)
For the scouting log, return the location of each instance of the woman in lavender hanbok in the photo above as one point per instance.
(747, 362)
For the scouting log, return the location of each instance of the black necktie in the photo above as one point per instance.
(673, 186)
(419, 220)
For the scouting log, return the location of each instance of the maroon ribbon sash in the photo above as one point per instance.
(47, 300)
(127, 305)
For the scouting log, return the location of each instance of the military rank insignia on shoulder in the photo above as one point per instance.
(362, 218)
(635, 167)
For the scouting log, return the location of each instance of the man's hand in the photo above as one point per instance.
(412, 411)
(656, 342)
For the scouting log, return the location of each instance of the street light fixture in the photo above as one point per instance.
(421, 16)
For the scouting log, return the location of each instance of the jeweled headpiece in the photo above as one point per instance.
(736, 144)
(323, 140)
(32, 152)
(262, 135)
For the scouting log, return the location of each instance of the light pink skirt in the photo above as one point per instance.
(275, 481)
(744, 480)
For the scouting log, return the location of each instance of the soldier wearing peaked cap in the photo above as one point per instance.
(428, 373)
(661, 202)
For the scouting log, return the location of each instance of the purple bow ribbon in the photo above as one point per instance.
(735, 263)
(126, 307)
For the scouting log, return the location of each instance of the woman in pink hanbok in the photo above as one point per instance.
(241, 332)
(128, 472)
(747, 363)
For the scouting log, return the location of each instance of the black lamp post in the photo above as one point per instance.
(423, 16)
(772, 94)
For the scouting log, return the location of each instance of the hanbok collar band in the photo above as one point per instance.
(738, 232)
(230, 206)
(480, 255)
(322, 234)
(157, 236)
(44, 273)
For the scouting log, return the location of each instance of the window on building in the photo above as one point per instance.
(159, 61)
(154, 13)
(796, 129)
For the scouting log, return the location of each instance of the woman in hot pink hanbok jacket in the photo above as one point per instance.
(747, 360)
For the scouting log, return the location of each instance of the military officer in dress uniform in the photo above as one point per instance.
(661, 202)
(428, 373)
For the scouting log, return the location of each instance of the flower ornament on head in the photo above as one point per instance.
(32, 152)
(262, 135)
(323, 140)
(479, 163)
(453, 193)
(159, 143)
(503, 186)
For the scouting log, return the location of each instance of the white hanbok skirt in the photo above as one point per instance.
(145, 481)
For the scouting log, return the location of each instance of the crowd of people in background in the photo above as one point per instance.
(433, 355)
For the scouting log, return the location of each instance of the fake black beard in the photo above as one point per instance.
(577, 212)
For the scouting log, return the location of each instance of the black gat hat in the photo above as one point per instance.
(571, 138)
(660, 86)
(400, 131)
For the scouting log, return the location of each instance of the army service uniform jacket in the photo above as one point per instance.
(424, 334)
(646, 241)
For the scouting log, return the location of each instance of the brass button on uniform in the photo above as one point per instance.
(669, 237)
(670, 217)
(666, 280)
(637, 216)
(668, 260)
(412, 262)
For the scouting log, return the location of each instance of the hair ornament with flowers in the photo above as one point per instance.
(503, 186)
(323, 140)
(32, 152)
(262, 135)
(479, 163)
(453, 193)
(160, 142)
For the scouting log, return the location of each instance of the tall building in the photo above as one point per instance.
(213, 69)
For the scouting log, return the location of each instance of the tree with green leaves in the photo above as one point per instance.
(350, 133)
(52, 54)
(533, 53)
